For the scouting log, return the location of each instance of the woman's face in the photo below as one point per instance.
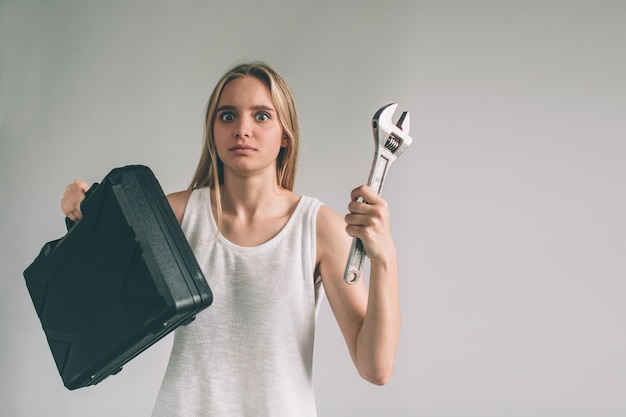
(248, 135)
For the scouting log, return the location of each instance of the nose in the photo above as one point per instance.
(242, 128)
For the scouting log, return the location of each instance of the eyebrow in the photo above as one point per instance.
(258, 107)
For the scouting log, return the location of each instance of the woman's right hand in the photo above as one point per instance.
(74, 194)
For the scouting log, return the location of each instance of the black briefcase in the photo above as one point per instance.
(122, 278)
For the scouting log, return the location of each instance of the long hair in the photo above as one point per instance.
(210, 169)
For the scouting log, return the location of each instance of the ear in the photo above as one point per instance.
(285, 141)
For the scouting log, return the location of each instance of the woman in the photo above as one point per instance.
(266, 253)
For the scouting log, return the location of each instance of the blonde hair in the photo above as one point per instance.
(210, 169)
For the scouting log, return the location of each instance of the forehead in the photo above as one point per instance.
(246, 92)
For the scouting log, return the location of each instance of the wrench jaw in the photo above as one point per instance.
(404, 122)
(391, 141)
(390, 138)
(384, 114)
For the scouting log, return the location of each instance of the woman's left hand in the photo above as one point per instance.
(369, 221)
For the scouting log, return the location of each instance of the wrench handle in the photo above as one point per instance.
(355, 262)
(380, 166)
(376, 180)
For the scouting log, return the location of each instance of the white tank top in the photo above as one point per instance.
(250, 353)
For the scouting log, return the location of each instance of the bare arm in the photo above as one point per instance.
(369, 318)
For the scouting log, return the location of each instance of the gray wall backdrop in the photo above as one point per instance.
(508, 209)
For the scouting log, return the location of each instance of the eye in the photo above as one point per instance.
(227, 116)
(262, 116)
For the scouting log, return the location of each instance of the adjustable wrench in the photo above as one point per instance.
(390, 140)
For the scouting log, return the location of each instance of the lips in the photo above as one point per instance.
(242, 147)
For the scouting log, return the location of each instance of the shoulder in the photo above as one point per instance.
(331, 232)
(178, 202)
(328, 219)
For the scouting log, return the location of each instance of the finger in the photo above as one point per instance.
(358, 207)
(366, 193)
(353, 219)
(81, 185)
(374, 203)
(353, 231)
(364, 233)
(374, 218)
(71, 210)
(79, 188)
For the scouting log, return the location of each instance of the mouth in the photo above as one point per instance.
(241, 147)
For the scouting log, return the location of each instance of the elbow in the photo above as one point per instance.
(377, 368)
(379, 380)
(380, 375)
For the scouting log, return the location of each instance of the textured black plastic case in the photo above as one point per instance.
(123, 277)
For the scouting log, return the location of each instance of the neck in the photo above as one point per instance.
(249, 196)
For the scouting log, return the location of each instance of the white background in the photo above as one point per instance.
(508, 209)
